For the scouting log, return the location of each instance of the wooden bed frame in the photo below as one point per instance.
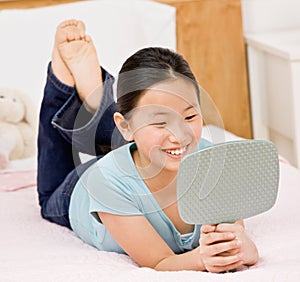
(210, 37)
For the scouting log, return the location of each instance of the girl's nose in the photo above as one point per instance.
(172, 138)
(179, 134)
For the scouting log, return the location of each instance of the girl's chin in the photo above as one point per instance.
(173, 165)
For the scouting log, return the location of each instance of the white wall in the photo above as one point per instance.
(272, 32)
(118, 29)
(268, 15)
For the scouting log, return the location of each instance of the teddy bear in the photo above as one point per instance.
(18, 126)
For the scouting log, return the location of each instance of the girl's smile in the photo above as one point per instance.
(178, 152)
(165, 125)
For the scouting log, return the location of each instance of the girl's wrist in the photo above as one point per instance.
(191, 260)
(198, 259)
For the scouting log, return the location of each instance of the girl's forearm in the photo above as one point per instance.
(187, 261)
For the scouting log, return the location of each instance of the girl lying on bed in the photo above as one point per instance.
(125, 201)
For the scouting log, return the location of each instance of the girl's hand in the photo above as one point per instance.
(247, 250)
(226, 246)
(220, 251)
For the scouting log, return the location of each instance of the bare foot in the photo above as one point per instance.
(80, 56)
(66, 31)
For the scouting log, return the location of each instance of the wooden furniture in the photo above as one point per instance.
(26, 4)
(210, 37)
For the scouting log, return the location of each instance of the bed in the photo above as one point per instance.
(32, 249)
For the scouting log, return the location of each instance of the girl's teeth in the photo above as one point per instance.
(177, 151)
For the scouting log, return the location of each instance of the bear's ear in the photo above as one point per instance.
(12, 109)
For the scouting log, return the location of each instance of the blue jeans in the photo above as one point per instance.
(65, 129)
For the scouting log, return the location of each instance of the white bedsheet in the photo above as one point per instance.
(32, 249)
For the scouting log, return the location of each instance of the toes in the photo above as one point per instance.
(67, 23)
(88, 38)
(73, 35)
(81, 27)
(70, 30)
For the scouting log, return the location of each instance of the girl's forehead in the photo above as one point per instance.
(175, 92)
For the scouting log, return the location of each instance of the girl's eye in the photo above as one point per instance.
(163, 123)
(190, 117)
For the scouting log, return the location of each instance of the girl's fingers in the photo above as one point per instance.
(219, 248)
(228, 227)
(230, 253)
(212, 238)
(207, 228)
(225, 261)
(223, 268)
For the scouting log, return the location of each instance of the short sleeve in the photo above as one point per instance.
(204, 144)
(110, 192)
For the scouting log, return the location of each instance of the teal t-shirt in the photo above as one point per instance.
(113, 185)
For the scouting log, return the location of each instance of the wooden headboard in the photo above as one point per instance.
(210, 37)
(26, 4)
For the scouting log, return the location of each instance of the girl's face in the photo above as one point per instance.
(165, 125)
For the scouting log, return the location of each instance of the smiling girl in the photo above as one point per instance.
(125, 201)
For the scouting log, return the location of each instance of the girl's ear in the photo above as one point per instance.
(123, 126)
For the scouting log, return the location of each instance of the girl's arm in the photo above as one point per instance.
(143, 244)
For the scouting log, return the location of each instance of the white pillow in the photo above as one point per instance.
(118, 28)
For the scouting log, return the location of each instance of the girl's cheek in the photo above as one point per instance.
(197, 131)
(158, 137)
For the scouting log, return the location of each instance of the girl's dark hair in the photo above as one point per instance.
(145, 68)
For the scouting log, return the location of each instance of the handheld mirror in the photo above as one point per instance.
(228, 182)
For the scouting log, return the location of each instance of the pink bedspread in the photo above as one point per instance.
(32, 249)
(16, 180)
